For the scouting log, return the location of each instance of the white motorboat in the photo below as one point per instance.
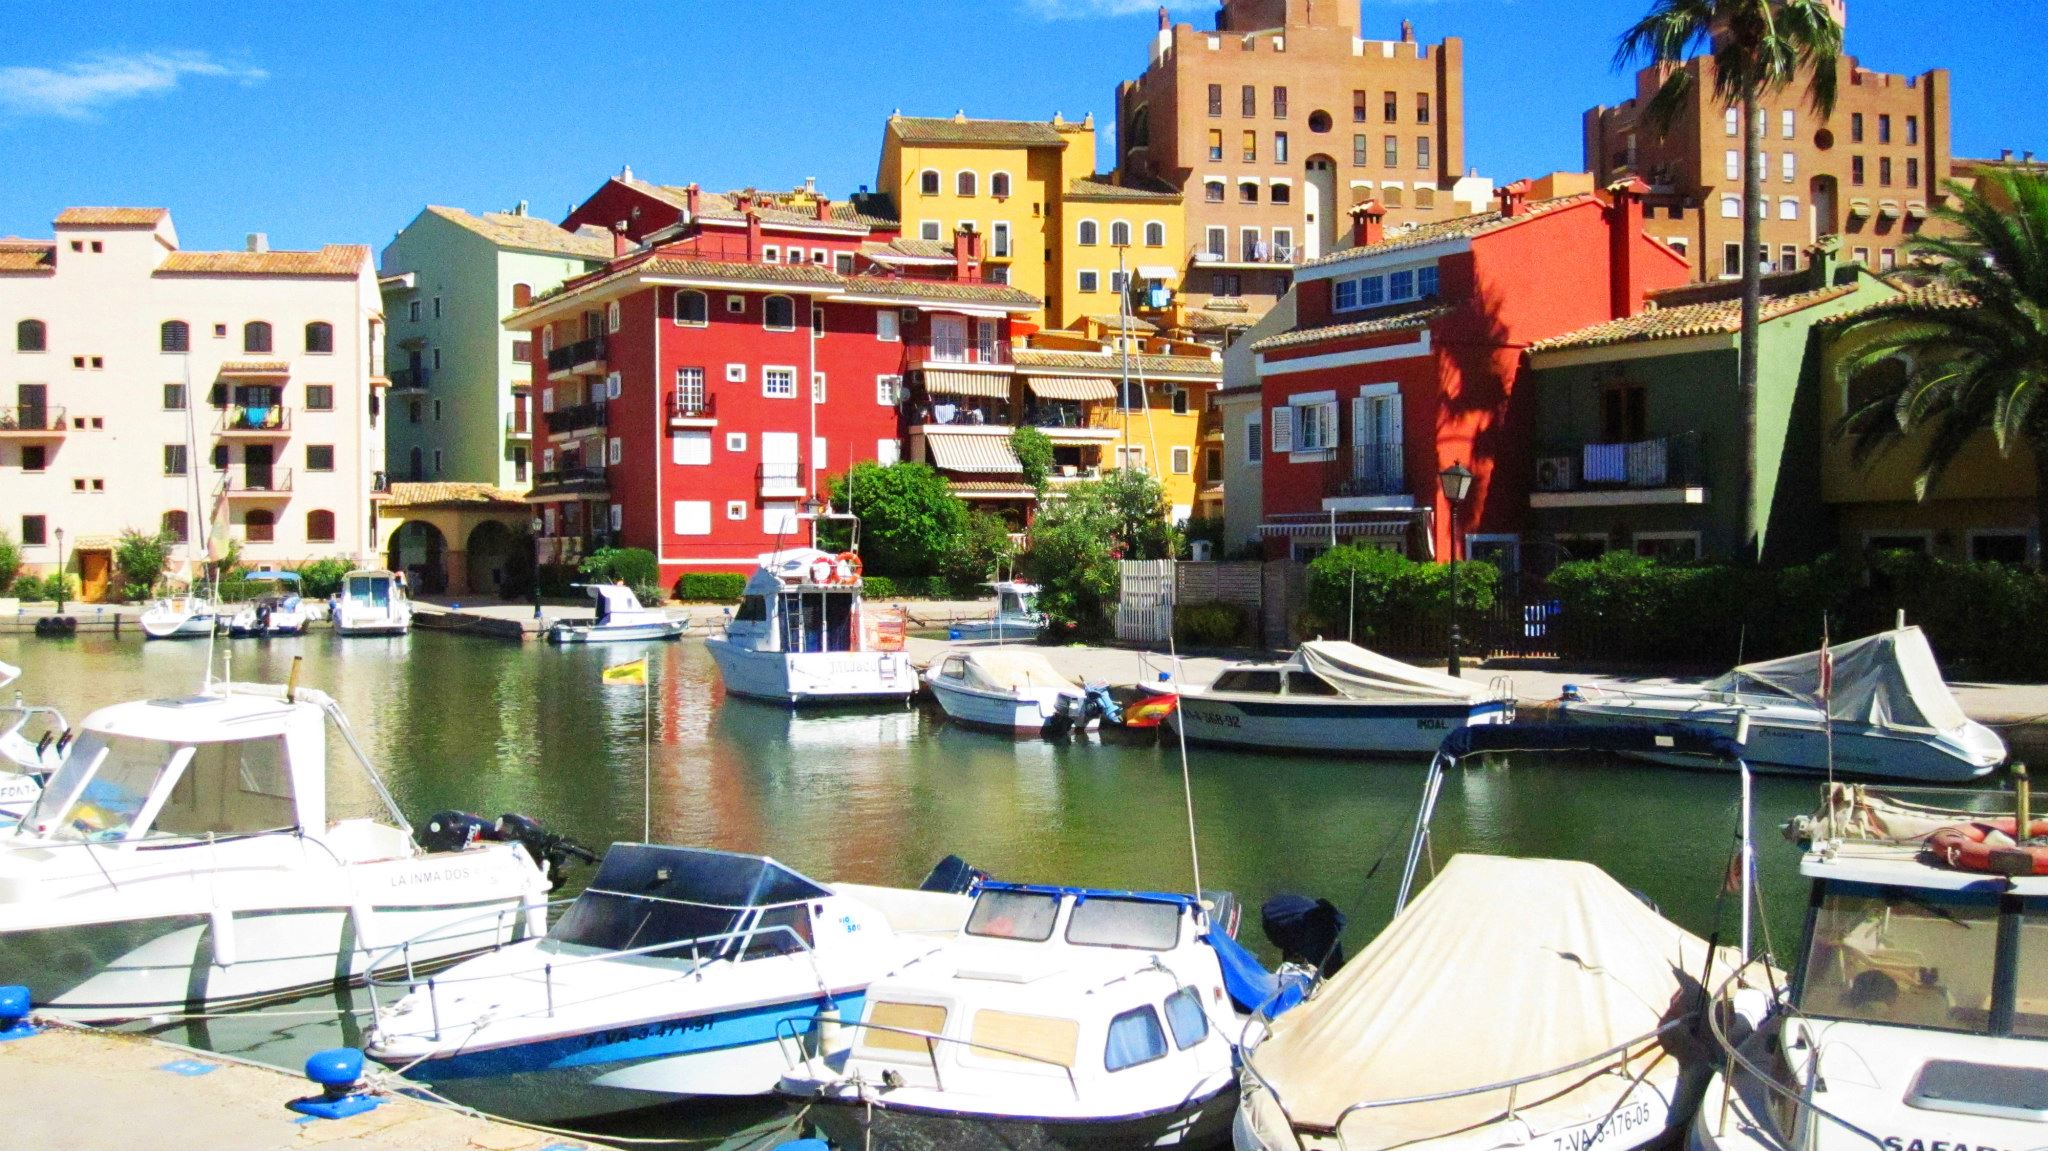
(33, 740)
(1008, 689)
(1334, 696)
(1016, 617)
(621, 618)
(1889, 714)
(371, 603)
(673, 976)
(281, 612)
(804, 635)
(1917, 1015)
(1057, 1018)
(180, 617)
(186, 857)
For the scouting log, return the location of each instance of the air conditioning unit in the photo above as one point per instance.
(1555, 473)
(909, 315)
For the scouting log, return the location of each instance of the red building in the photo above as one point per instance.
(696, 391)
(1405, 358)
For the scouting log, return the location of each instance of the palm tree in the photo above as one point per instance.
(1974, 343)
(1757, 49)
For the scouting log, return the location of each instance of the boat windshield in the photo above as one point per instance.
(235, 787)
(1918, 957)
(817, 621)
(369, 590)
(100, 791)
(643, 896)
(1016, 603)
(1145, 924)
(1021, 915)
(1248, 682)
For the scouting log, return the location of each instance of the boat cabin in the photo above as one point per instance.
(1016, 600)
(285, 595)
(804, 600)
(374, 590)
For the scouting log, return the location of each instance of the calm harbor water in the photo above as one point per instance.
(878, 797)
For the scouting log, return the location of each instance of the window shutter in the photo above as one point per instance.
(1283, 429)
(1329, 425)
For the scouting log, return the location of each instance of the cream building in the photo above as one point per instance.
(214, 395)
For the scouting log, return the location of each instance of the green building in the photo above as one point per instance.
(460, 408)
(1639, 431)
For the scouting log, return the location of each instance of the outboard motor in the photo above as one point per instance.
(1098, 703)
(1306, 931)
(455, 830)
(954, 876)
(550, 850)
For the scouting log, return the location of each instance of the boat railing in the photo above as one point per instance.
(1799, 1100)
(932, 1041)
(1160, 669)
(1501, 689)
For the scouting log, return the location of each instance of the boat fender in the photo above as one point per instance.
(221, 936)
(15, 1004)
(339, 1074)
(1968, 847)
(552, 852)
(829, 1035)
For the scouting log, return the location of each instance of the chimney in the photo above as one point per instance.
(966, 255)
(2005, 155)
(626, 172)
(1407, 31)
(824, 207)
(811, 185)
(693, 196)
(1165, 22)
(1514, 200)
(1367, 224)
(753, 235)
(520, 210)
(620, 244)
(258, 242)
(1625, 293)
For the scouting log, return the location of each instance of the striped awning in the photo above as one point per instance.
(976, 384)
(255, 369)
(1071, 387)
(993, 490)
(1308, 529)
(979, 454)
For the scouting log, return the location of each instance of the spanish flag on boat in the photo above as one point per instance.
(632, 673)
(1150, 711)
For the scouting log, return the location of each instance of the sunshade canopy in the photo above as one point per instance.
(968, 452)
(1090, 388)
(1360, 674)
(1009, 669)
(1887, 680)
(979, 385)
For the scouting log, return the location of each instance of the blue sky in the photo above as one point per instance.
(326, 122)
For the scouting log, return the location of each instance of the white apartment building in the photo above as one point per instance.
(214, 395)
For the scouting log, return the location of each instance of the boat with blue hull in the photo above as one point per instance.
(675, 975)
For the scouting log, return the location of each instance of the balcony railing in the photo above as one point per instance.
(409, 380)
(23, 420)
(1368, 469)
(1666, 462)
(576, 355)
(570, 477)
(997, 354)
(692, 406)
(1277, 255)
(518, 425)
(257, 481)
(249, 420)
(576, 418)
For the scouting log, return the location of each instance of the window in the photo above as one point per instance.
(735, 441)
(1422, 153)
(320, 526)
(1788, 208)
(1279, 147)
(1248, 100)
(1390, 108)
(690, 397)
(1134, 1039)
(963, 184)
(1788, 257)
(260, 526)
(1884, 171)
(1856, 127)
(1090, 281)
(817, 320)
(1731, 164)
(31, 336)
(1425, 198)
(1912, 129)
(1212, 191)
(1181, 461)
(437, 307)
(175, 525)
(692, 309)
(1315, 426)
(255, 336)
(1254, 439)
(412, 313)
(1401, 285)
(1425, 282)
(1215, 240)
(1120, 234)
(1215, 143)
(999, 185)
(1247, 191)
(1279, 102)
(1791, 167)
(817, 387)
(2005, 547)
(1358, 151)
(1251, 147)
(174, 397)
(1250, 248)
(888, 390)
(1731, 207)
(693, 517)
(1861, 256)
(1391, 156)
(928, 182)
(1155, 234)
(320, 337)
(1788, 124)
(772, 254)
(1679, 244)
(1215, 99)
(778, 314)
(34, 531)
(1856, 169)
(1731, 259)
(1088, 233)
(778, 383)
(1887, 260)
(1884, 128)
(319, 397)
(175, 336)
(888, 325)
(319, 457)
(174, 459)
(614, 451)
(1731, 122)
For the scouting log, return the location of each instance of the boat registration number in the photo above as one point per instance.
(1626, 1125)
(1219, 720)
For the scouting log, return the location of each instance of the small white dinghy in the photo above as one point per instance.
(180, 617)
(1007, 689)
(1016, 618)
(621, 618)
(371, 603)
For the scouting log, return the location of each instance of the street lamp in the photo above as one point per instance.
(1457, 484)
(63, 583)
(537, 525)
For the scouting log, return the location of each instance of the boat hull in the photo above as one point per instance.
(1198, 1124)
(1643, 1114)
(373, 627)
(1008, 631)
(630, 633)
(1021, 714)
(1355, 727)
(1790, 747)
(800, 678)
(176, 626)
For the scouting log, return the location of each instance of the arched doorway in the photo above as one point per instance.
(1821, 194)
(420, 551)
(493, 552)
(1319, 207)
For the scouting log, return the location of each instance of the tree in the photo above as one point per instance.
(910, 520)
(1755, 49)
(142, 560)
(1034, 451)
(1139, 505)
(10, 562)
(983, 552)
(1976, 353)
(1073, 558)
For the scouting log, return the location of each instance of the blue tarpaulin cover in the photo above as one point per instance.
(1251, 986)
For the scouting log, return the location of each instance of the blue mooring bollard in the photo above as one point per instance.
(339, 1072)
(15, 1004)
(803, 1145)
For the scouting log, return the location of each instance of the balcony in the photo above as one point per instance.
(782, 480)
(1366, 477)
(570, 483)
(1638, 472)
(995, 355)
(582, 358)
(1259, 255)
(32, 422)
(257, 483)
(692, 409)
(409, 380)
(518, 425)
(1073, 422)
(243, 422)
(563, 421)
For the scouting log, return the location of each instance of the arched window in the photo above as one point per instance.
(175, 336)
(319, 338)
(522, 295)
(1140, 134)
(963, 184)
(999, 185)
(320, 526)
(778, 314)
(1120, 234)
(255, 336)
(261, 526)
(175, 527)
(1089, 233)
(692, 308)
(31, 336)
(1155, 234)
(928, 182)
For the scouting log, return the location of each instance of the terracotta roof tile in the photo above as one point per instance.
(907, 247)
(1111, 363)
(1404, 319)
(1100, 188)
(1928, 298)
(862, 210)
(530, 233)
(111, 217)
(1116, 322)
(27, 256)
(419, 495)
(939, 290)
(332, 260)
(1004, 133)
(1716, 317)
(1458, 227)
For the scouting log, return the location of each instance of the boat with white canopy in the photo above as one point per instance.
(804, 634)
(1888, 714)
(621, 618)
(189, 616)
(1006, 689)
(371, 603)
(1333, 696)
(196, 853)
(1016, 618)
(281, 612)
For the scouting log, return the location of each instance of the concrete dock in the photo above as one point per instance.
(76, 1089)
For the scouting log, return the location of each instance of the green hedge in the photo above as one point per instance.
(1384, 599)
(1212, 625)
(710, 587)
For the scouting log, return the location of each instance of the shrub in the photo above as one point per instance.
(1035, 453)
(1383, 598)
(711, 587)
(1073, 559)
(910, 520)
(141, 560)
(321, 578)
(650, 594)
(1211, 625)
(10, 562)
(983, 551)
(878, 587)
(634, 567)
(28, 588)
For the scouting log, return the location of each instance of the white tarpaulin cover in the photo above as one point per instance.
(1008, 670)
(1502, 968)
(1360, 674)
(1886, 680)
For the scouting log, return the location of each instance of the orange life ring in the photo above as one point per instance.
(851, 562)
(1967, 847)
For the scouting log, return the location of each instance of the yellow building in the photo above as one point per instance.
(1111, 235)
(1144, 411)
(1983, 508)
